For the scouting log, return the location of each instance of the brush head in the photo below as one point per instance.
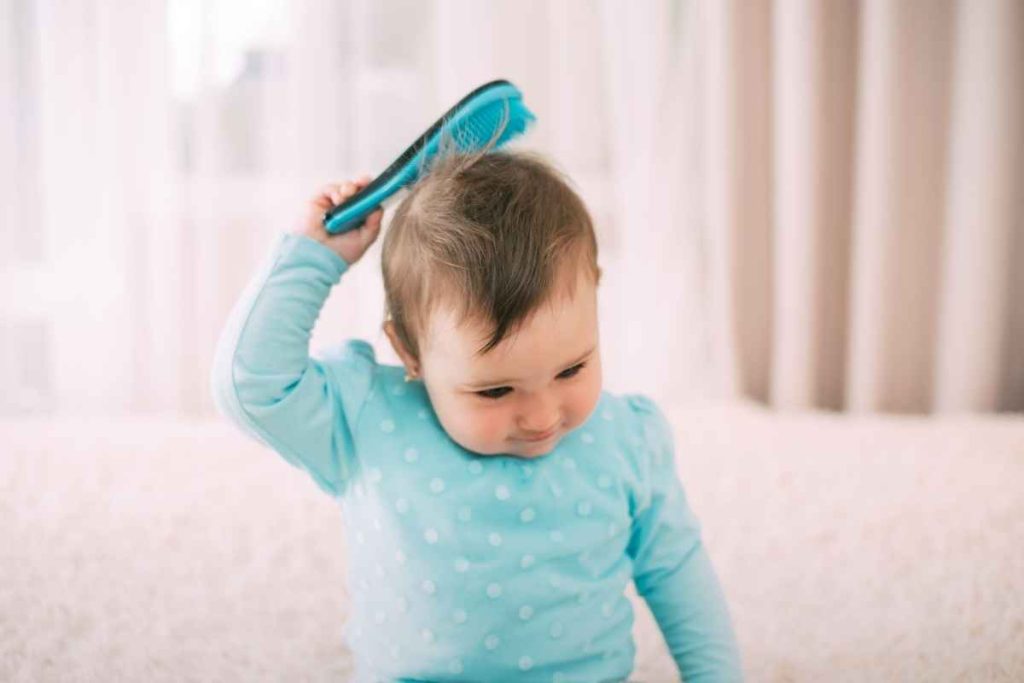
(486, 118)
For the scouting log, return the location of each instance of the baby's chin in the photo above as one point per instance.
(533, 450)
(521, 449)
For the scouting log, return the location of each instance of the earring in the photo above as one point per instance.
(409, 378)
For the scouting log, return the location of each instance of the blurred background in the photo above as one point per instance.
(812, 205)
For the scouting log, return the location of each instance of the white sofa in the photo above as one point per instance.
(850, 549)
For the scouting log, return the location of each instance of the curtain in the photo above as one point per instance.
(806, 204)
(865, 174)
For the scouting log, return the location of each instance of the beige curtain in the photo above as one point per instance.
(864, 165)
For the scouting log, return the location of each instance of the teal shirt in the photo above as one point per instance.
(465, 567)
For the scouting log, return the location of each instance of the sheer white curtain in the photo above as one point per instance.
(811, 204)
(163, 146)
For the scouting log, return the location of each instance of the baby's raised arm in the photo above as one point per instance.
(263, 377)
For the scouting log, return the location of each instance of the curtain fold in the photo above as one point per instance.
(864, 203)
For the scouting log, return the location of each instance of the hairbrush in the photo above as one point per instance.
(488, 117)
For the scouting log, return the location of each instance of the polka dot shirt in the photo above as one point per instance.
(467, 567)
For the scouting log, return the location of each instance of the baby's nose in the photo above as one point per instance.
(540, 423)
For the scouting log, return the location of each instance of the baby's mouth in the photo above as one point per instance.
(540, 438)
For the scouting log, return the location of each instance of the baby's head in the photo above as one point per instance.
(490, 275)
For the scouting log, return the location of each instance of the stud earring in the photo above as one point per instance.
(409, 378)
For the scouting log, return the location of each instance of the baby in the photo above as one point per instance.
(497, 501)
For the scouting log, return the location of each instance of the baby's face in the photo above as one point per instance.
(528, 392)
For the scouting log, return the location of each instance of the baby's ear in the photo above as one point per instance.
(410, 363)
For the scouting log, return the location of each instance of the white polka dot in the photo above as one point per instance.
(460, 616)
(364, 584)
(360, 489)
(493, 590)
(455, 666)
(557, 536)
(429, 587)
(491, 642)
(378, 569)
(402, 505)
(461, 565)
(588, 647)
(427, 635)
(411, 455)
(527, 561)
(376, 523)
(525, 612)
(583, 508)
(606, 609)
(465, 513)
(379, 617)
(587, 437)
(527, 515)
(394, 651)
(374, 475)
(525, 663)
(399, 557)
(604, 481)
(437, 484)
(555, 581)
(606, 414)
(399, 390)
(360, 537)
(502, 492)
(612, 529)
(494, 538)
(387, 426)
(527, 470)
(403, 604)
(556, 630)
(475, 467)
(556, 489)
(422, 414)
(569, 464)
(431, 536)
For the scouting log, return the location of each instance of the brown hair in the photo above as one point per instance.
(494, 234)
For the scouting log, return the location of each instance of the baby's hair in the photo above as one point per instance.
(492, 234)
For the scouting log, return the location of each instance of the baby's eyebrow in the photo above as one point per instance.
(481, 385)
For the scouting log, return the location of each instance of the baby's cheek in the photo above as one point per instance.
(475, 429)
(485, 426)
(583, 400)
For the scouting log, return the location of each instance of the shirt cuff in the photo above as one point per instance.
(310, 250)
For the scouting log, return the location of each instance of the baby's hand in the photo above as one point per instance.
(350, 245)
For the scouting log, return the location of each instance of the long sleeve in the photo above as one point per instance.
(264, 379)
(672, 570)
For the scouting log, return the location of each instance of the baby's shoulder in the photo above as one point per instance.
(357, 356)
(633, 409)
(642, 422)
(392, 404)
(357, 351)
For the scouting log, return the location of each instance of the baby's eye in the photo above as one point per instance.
(571, 372)
(498, 392)
(494, 393)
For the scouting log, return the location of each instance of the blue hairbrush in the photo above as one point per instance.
(489, 116)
